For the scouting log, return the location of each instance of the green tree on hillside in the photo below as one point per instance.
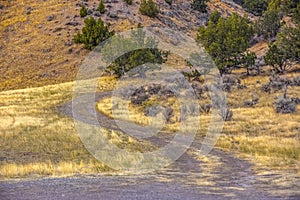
(101, 7)
(256, 7)
(200, 5)
(93, 33)
(269, 24)
(286, 50)
(226, 40)
(148, 8)
(146, 52)
(83, 11)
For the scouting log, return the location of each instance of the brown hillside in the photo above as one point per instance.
(36, 46)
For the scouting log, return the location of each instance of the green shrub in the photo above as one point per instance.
(83, 11)
(200, 5)
(101, 7)
(149, 8)
(129, 2)
(93, 33)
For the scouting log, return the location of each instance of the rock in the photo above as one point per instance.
(28, 10)
(97, 14)
(50, 18)
(248, 103)
(152, 111)
(74, 23)
(112, 15)
(89, 12)
(69, 43)
(58, 29)
(266, 88)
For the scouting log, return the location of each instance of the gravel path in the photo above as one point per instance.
(223, 176)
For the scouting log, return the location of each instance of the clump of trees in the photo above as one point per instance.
(227, 41)
(200, 5)
(93, 33)
(148, 8)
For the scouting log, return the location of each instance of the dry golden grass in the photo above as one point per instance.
(36, 141)
(259, 133)
(33, 50)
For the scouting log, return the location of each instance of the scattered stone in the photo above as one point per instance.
(72, 23)
(58, 29)
(248, 103)
(97, 14)
(50, 18)
(112, 15)
(69, 43)
(28, 10)
(266, 88)
(89, 12)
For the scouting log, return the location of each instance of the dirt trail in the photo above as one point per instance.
(220, 176)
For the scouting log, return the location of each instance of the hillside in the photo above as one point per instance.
(37, 46)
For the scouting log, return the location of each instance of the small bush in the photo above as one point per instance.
(83, 11)
(200, 5)
(101, 7)
(129, 2)
(149, 8)
(284, 105)
(226, 114)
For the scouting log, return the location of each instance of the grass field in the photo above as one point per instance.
(36, 141)
(258, 132)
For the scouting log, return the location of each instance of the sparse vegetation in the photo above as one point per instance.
(148, 8)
